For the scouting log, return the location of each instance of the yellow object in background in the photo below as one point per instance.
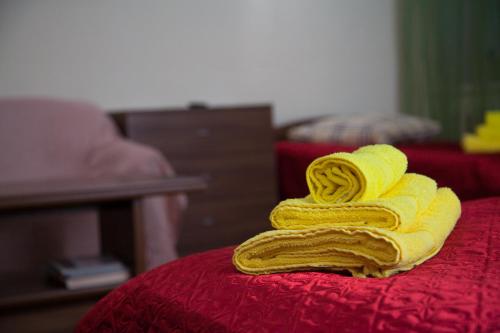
(474, 144)
(487, 136)
(493, 119)
(488, 133)
(362, 175)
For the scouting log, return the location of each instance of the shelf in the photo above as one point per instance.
(32, 288)
(39, 194)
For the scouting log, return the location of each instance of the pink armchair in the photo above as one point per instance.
(51, 140)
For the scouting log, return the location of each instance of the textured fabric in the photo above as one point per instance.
(404, 224)
(362, 175)
(365, 129)
(363, 251)
(51, 140)
(470, 176)
(395, 209)
(456, 291)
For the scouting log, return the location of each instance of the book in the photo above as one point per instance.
(85, 272)
(99, 280)
(85, 266)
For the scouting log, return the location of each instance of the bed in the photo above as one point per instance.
(456, 291)
(471, 176)
(298, 143)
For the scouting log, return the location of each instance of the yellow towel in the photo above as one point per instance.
(492, 118)
(474, 144)
(488, 132)
(487, 136)
(395, 209)
(364, 251)
(362, 175)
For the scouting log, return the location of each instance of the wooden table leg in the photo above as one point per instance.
(122, 233)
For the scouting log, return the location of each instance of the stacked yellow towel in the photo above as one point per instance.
(364, 251)
(395, 231)
(487, 136)
(362, 175)
(394, 210)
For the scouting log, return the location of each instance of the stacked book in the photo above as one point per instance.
(88, 272)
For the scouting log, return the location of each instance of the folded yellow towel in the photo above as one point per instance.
(487, 136)
(488, 132)
(364, 251)
(395, 209)
(492, 118)
(362, 175)
(474, 144)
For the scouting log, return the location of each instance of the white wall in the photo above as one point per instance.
(307, 57)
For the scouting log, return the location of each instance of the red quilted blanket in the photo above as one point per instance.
(456, 291)
(470, 176)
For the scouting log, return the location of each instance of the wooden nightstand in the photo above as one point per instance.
(27, 302)
(232, 148)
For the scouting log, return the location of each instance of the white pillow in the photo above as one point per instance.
(366, 129)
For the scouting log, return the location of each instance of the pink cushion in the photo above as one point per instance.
(48, 138)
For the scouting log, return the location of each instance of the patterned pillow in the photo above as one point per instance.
(366, 129)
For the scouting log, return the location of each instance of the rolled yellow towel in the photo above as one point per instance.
(362, 175)
(364, 251)
(395, 209)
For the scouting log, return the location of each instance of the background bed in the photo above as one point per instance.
(471, 176)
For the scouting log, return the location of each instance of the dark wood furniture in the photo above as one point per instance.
(232, 147)
(28, 303)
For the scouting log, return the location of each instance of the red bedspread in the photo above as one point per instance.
(456, 291)
(470, 176)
